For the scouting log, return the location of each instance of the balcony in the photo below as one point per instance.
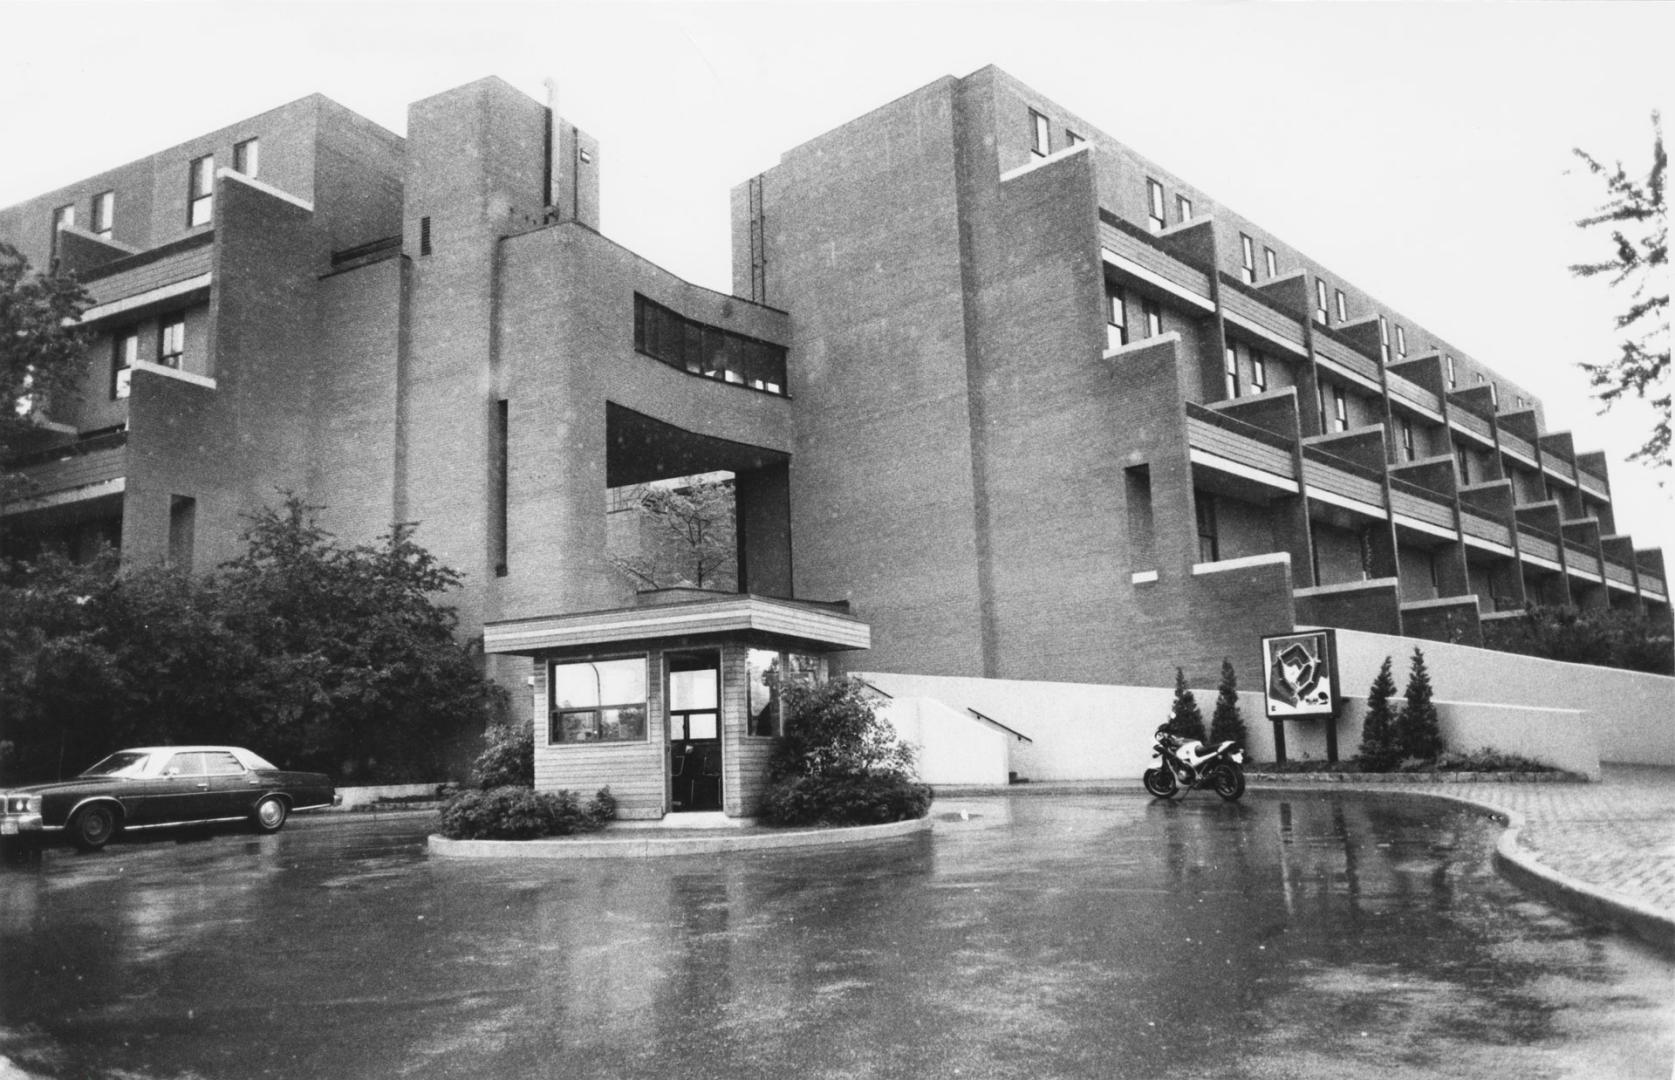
(1139, 257)
(1421, 508)
(1415, 396)
(1334, 480)
(1338, 357)
(1539, 548)
(1239, 449)
(1244, 309)
(1582, 561)
(1652, 586)
(1483, 531)
(163, 273)
(1619, 574)
(1592, 483)
(1472, 424)
(1517, 447)
(80, 470)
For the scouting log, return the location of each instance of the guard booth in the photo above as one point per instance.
(672, 703)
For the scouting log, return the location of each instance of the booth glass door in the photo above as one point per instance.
(695, 731)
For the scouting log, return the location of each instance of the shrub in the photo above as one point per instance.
(1610, 638)
(1418, 731)
(520, 813)
(845, 800)
(1227, 723)
(508, 757)
(1185, 719)
(1378, 730)
(832, 730)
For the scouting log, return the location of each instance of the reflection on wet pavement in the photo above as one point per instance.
(1315, 935)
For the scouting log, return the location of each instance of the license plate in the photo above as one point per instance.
(8, 828)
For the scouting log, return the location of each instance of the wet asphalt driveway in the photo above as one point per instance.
(1292, 935)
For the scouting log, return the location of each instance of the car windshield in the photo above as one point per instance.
(121, 763)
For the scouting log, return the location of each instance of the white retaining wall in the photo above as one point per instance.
(954, 746)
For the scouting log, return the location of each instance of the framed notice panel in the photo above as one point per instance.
(1302, 675)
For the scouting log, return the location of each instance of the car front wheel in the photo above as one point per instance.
(269, 814)
(93, 827)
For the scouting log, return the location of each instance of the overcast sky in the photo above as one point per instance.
(1420, 150)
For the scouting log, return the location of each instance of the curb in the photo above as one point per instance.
(1525, 869)
(648, 847)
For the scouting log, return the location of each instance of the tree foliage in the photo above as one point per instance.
(41, 350)
(1185, 719)
(1610, 638)
(313, 653)
(1636, 215)
(1378, 751)
(689, 537)
(831, 729)
(1227, 723)
(1418, 729)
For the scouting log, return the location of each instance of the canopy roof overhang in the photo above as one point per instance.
(816, 627)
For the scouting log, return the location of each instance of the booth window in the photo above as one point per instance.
(769, 671)
(596, 701)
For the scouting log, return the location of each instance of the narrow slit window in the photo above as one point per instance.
(1247, 259)
(1401, 340)
(1453, 378)
(1407, 439)
(1183, 207)
(1320, 313)
(125, 350)
(62, 218)
(1383, 339)
(1343, 307)
(1258, 373)
(1340, 409)
(1154, 202)
(200, 182)
(1154, 317)
(104, 213)
(247, 157)
(1272, 261)
(171, 342)
(1230, 373)
(1041, 135)
(1116, 316)
(424, 235)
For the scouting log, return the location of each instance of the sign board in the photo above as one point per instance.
(1301, 675)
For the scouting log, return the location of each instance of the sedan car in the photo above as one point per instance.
(163, 785)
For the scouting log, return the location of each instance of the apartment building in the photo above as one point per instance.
(997, 396)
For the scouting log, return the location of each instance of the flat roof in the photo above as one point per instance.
(824, 628)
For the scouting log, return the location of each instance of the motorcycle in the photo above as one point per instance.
(1189, 764)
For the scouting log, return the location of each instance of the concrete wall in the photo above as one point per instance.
(954, 746)
(1631, 714)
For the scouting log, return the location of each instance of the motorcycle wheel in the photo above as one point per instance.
(1160, 783)
(1229, 782)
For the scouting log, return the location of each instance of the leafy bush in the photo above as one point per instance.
(508, 757)
(521, 813)
(845, 800)
(1609, 638)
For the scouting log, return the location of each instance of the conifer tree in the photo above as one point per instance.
(1184, 718)
(1418, 732)
(1227, 724)
(1378, 730)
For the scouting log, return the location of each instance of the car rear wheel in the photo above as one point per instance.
(93, 827)
(269, 814)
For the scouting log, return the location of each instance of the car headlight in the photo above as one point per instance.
(23, 804)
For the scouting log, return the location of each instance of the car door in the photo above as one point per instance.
(175, 793)
(232, 787)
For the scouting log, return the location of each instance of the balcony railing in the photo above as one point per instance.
(1581, 558)
(75, 465)
(1411, 392)
(1616, 571)
(1239, 304)
(1335, 352)
(1652, 585)
(1484, 528)
(1517, 444)
(1142, 252)
(1592, 481)
(1472, 423)
(1537, 544)
(1559, 467)
(1334, 475)
(1237, 441)
(1421, 504)
(149, 270)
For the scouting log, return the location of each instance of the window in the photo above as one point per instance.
(1343, 307)
(1247, 259)
(1453, 380)
(768, 671)
(200, 180)
(1230, 374)
(424, 235)
(706, 350)
(1209, 546)
(1401, 340)
(597, 701)
(1383, 339)
(1320, 314)
(1340, 409)
(1478, 378)
(1183, 207)
(1495, 395)
(1258, 372)
(1041, 136)
(1116, 325)
(171, 341)
(62, 218)
(1407, 439)
(183, 518)
(498, 487)
(1464, 457)
(1271, 261)
(125, 349)
(247, 157)
(1072, 139)
(1154, 317)
(1154, 200)
(104, 213)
